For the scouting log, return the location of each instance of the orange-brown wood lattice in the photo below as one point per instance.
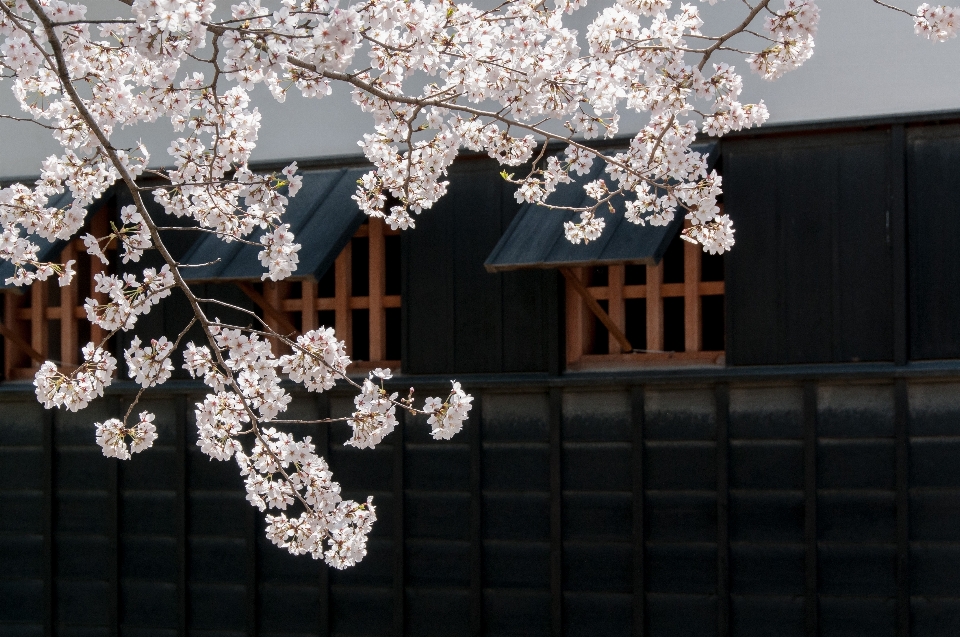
(44, 319)
(581, 318)
(304, 306)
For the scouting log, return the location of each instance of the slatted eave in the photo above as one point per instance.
(535, 238)
(322, 216)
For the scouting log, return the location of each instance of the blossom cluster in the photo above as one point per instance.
(112, 436)
(937, 22)
(317, 361)
(446, 417)
(76, 390)
(281, 470)
(792, 30)
(150, 365)
(127, 298)
(375, 416)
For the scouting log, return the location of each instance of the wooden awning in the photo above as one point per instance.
(535, 238)
(322, 216)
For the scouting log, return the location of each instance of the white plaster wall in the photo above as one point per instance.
(867, 62)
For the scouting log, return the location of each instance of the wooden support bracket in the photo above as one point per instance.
(15, 339)
(272, 312)
(594, 307)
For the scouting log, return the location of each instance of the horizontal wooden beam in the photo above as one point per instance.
(328, 303)
(667, 290)
(594, 307)
(364, 231)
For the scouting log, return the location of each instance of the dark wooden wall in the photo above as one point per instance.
(933, 215)
(790, 502)
(844, 253)
(810, 277)
(458, 318)
(844, 245)
(777, 504)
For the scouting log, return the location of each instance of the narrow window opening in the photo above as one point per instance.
(713, 323)
(635, 315)
(673, 262)
(391, 244)
(360, 351)
(673, 324)
(634, 274)
(671, 311)
(360, 267)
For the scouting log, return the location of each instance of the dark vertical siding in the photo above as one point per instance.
(148, 527)
(856, 462)
(810, 279)
(789, 508)
(24, 533)
(680, 513)
(283, 580)
(934, 502)
(218, 541)
(597, 530)
(933, 181)
(516, 521)
(370, 585)
(85, 544)
(458, 317)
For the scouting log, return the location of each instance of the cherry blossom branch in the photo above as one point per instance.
(894, 8)
(517, 55)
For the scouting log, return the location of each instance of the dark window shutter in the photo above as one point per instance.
(933, 184)
(810, 277)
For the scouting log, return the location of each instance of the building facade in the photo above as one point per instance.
(662, 443)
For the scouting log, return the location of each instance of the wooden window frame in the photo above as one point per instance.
(280, 306)
(27, 315)
(581, 306)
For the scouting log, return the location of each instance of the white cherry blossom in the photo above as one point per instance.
(500, 81)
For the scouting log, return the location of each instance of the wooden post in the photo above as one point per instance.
(691, 297)
(344, 318)
(654, 308)
(271, 294)
(272, 315)
(99, 227)
(39, 328)
(69, 346)
(593, 306)
(575, 321)
(377, 282)
(11, 355)
(615, 308)
(15, 341)
(308, 309)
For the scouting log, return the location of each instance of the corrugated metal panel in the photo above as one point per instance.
(322, 216)
(48, 250)
(535, 239)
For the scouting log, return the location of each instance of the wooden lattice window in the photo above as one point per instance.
(359, 297)
(45, 321)
(632, 314)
